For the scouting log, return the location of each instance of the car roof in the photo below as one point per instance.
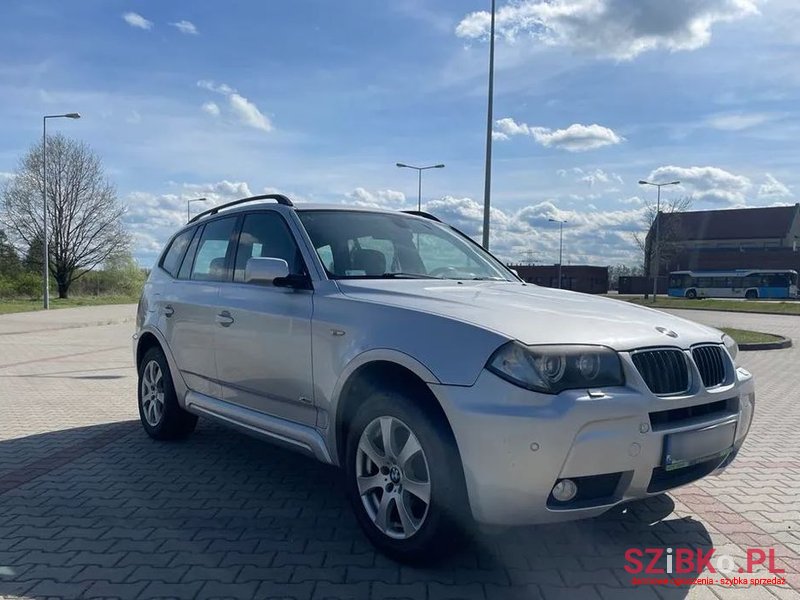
(257, 205)
(300, 207)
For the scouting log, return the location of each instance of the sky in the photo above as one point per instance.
(319, 100)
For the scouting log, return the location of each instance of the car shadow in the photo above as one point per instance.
(83, 506)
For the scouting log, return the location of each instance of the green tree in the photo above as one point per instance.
(9, 259)
(32, 262)
(84, 216)
(123, 275)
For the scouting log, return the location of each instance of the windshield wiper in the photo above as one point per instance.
(402, 275)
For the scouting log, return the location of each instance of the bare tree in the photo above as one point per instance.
(84, 216)
(668, 236)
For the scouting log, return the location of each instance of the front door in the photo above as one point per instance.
(263, 347)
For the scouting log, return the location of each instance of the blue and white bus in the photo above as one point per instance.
(741, 283)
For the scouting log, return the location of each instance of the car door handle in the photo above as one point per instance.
(169, 311)
(224, 318)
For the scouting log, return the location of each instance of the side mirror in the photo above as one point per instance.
(264, 271)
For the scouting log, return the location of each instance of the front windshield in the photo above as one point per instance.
(367, 245)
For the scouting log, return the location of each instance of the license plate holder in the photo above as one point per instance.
(688, 448)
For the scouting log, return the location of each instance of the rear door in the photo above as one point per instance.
(264, 349)
(191, 304)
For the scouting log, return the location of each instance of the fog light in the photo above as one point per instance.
(565, 490)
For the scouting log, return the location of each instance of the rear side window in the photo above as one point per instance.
(172, 259)
(265, 234)
(210, 262)
(188, 259)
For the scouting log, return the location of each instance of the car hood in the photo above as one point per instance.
(536, 315)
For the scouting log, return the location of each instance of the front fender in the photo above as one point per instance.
(365, 358)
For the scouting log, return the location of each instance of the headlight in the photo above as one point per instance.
(553, 369)
(731, 345)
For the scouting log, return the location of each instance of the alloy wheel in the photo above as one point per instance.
(152, 393)
(393, 477)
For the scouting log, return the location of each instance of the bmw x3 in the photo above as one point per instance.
(448, 390)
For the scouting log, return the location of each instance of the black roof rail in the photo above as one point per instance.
(279, 198)
(423, 214)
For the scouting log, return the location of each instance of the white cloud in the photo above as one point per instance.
(221, 88)
(380, 198)
(136, 20)
(589, 236)
(219, 191)
(772, 188)
(620, 29)
(508, 127)
(211, 108)
(738, 121)
(593, 177)
(575, 138)
(186, 27)
(248, 113)
(709, 184)
(153, 218)
(243, 109)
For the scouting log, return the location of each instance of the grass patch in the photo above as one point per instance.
(745, 336)
(15, 306)
(780, 308)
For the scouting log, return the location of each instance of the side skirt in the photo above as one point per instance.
(273, 429)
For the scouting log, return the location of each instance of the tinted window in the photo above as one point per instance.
(266, 235)
(172, 259)
(679, 281)
(186, 266)
(209, 263)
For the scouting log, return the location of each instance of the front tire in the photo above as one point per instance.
(751, 295)
(159, 411)
(691, 294)
(405, 479)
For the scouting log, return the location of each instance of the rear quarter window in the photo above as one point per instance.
(172, 258)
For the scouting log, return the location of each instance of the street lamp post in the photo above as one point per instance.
(45, 244)
(657, 249)
(189, 203)
(419, 182)
(487, 184)
(560, 246)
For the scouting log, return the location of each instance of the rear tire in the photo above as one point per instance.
(159, 411)
(388, 489)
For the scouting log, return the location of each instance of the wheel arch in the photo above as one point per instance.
(150, 338)
(387, 372)
(147, 340)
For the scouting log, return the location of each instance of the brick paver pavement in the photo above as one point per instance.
(90, 507)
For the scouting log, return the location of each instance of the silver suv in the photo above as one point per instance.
(395, 347)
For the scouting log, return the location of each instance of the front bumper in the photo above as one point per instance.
(516, 444)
